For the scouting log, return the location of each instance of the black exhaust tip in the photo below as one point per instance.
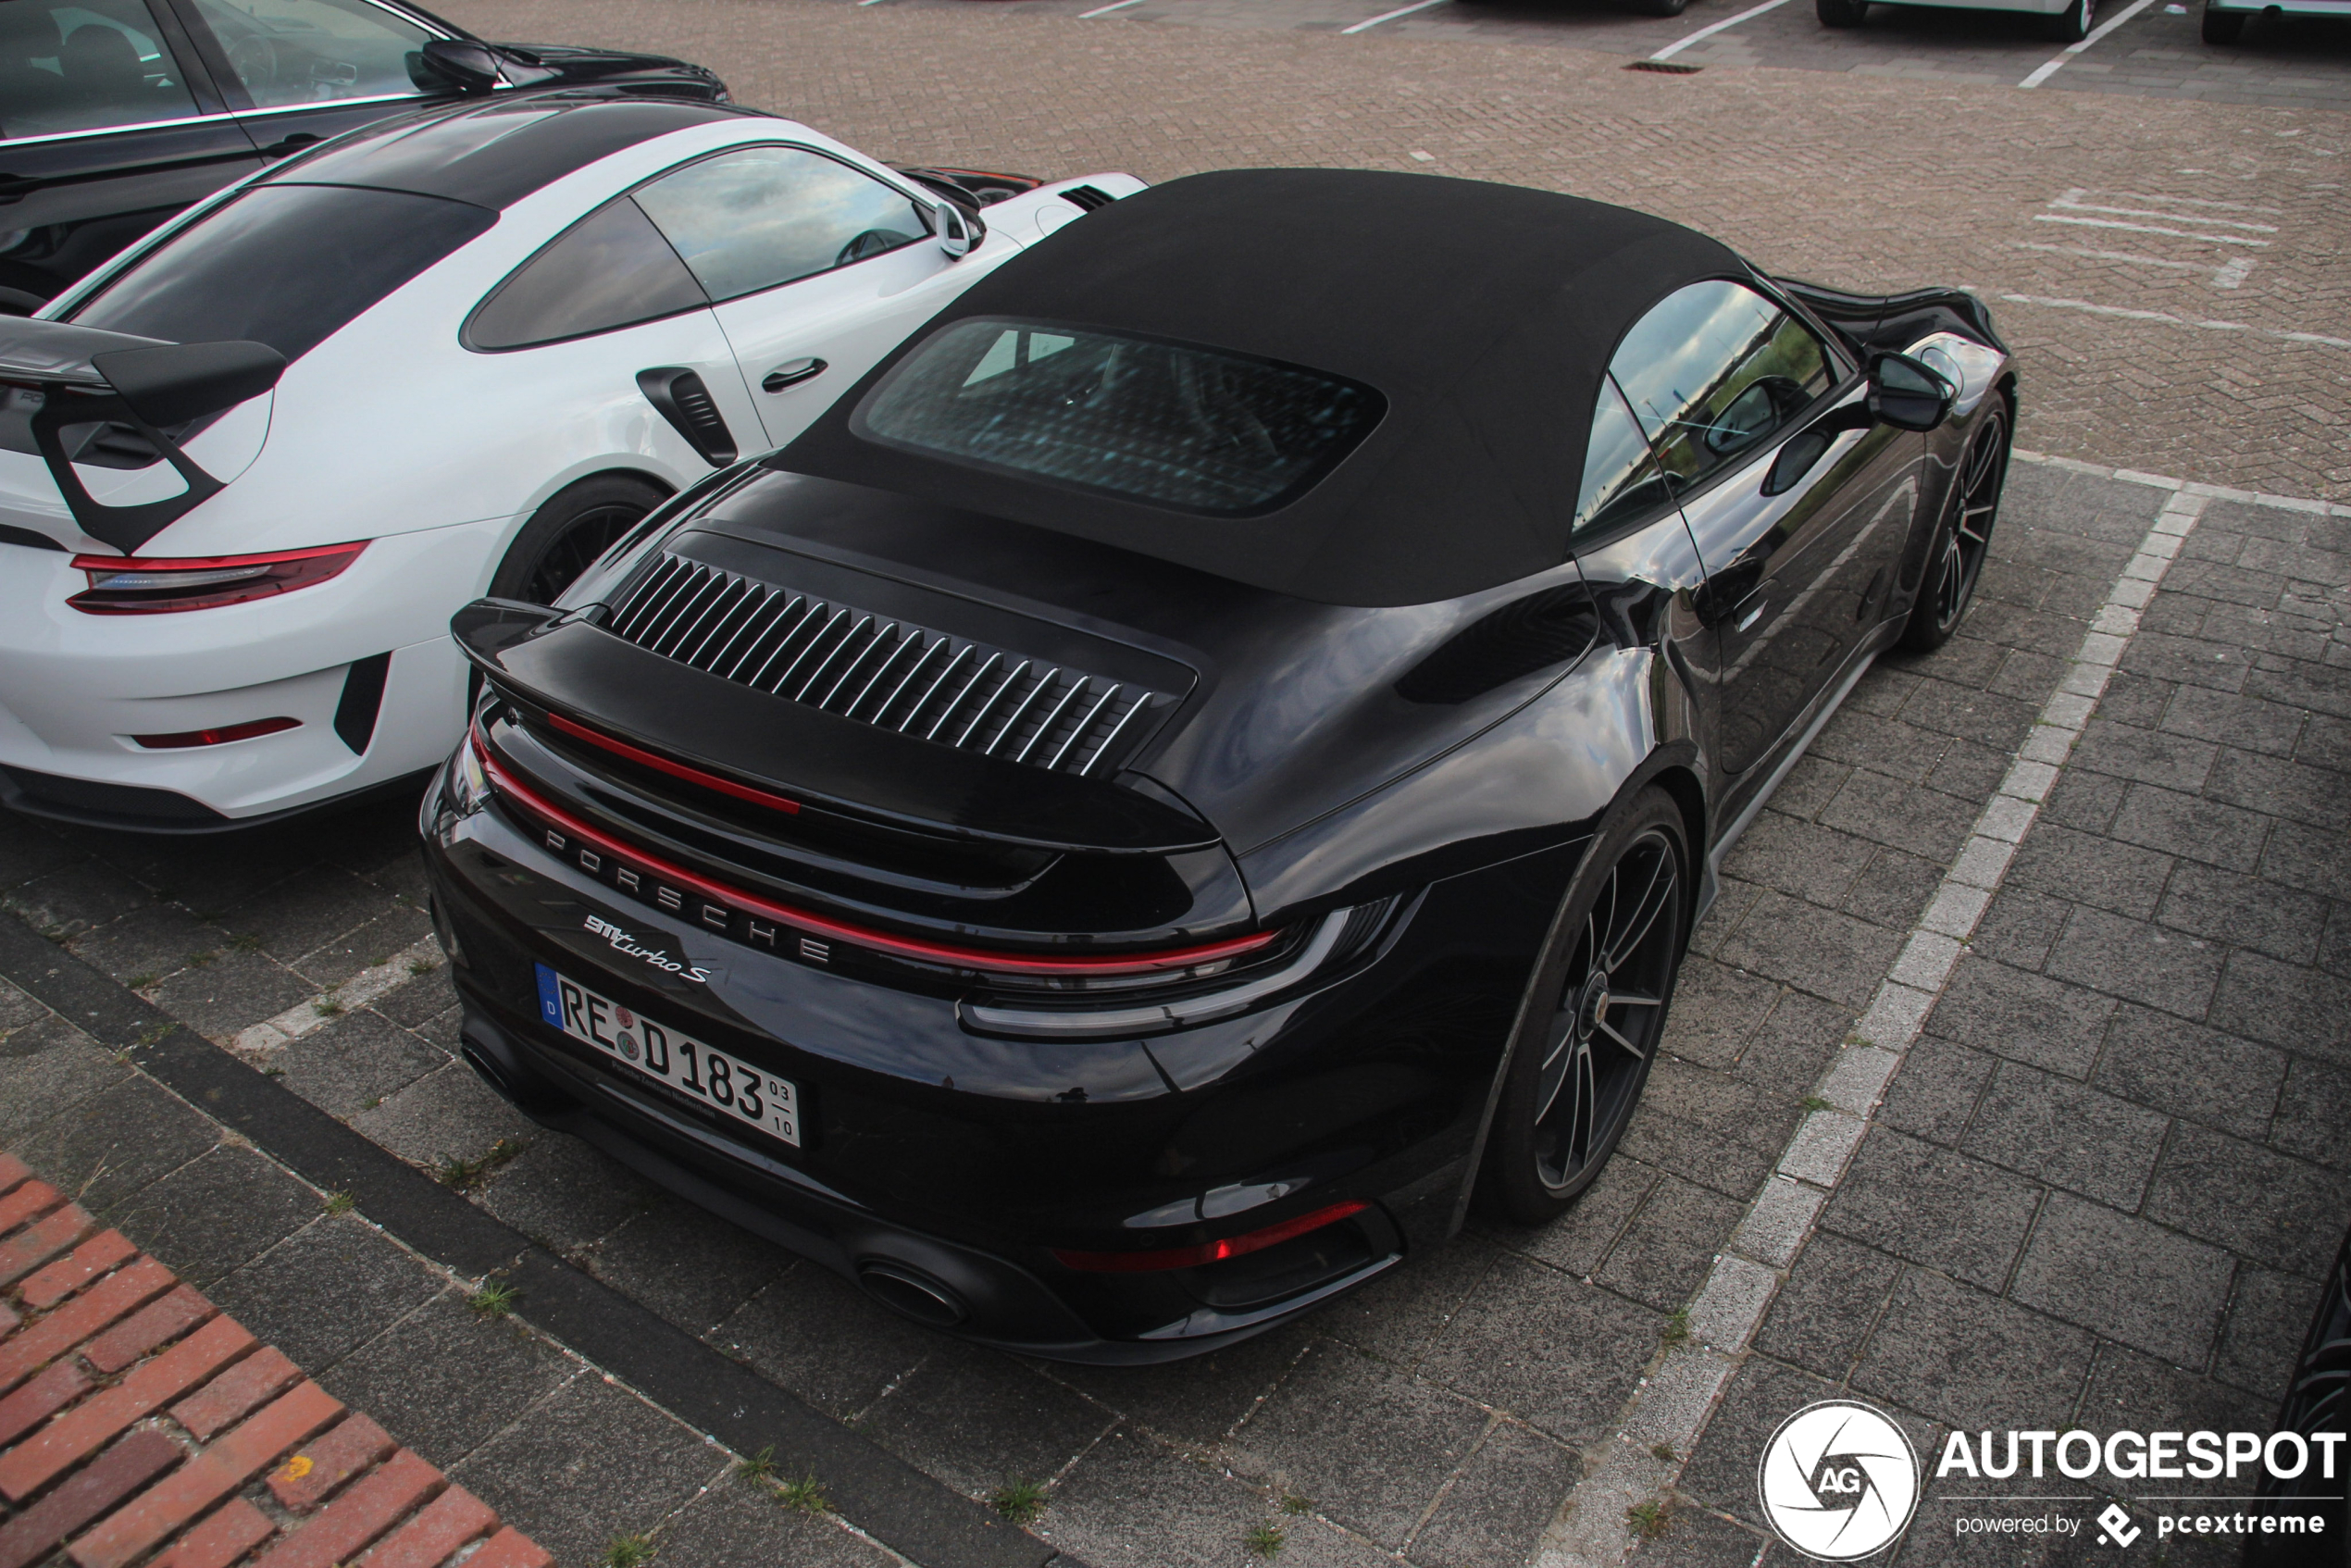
(912, 1293)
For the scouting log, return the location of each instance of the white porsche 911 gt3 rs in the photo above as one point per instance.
(248, 470)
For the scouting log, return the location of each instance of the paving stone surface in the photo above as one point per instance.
(2162, 342)
(2140, 1058)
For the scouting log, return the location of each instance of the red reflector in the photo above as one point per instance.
(675, 770)
(131, 585)
(221, 736)
(1213, 1252)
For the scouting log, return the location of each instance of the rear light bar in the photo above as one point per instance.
(221, 736)
(503, 782)
(131, 585)
(1160, 1258)
(675, 770)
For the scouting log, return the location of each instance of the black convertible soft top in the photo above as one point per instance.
(1485, 314)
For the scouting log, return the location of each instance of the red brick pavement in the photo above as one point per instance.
(139, 1424)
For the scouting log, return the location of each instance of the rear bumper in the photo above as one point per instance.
(1003, 1304)
(76, 688)
(961, 1160)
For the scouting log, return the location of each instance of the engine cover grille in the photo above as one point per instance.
(891, 673)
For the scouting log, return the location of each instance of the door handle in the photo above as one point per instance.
(791, 373)
(292, 143)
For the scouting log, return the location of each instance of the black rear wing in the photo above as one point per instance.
(55, 376)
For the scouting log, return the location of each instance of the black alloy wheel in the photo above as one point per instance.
(1956, 557)
(1595, 1017)
(1841, 13)
(564, 535)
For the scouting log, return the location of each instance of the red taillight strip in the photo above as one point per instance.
(884, 941)
(207, 563)
(675, 770)
(1163, 1257)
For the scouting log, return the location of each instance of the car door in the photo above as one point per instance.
(1799, 554)
(816, 269)
(299, 71)
(109, 124)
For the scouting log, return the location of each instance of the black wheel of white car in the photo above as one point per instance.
(2072, 24)
(2222, 26)
(1841, 13)
(1595, 1017)
(564, 535)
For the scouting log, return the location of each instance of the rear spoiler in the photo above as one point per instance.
(57, 375)
(1896, 321)
(560, 662)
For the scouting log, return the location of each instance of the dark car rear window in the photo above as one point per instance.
(283, 264)
(1194, 430)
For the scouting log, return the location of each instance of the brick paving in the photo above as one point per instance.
(1847, 179)
(1443, 1415)
(147, 1404)
(137, 1418)
(2109, 1101)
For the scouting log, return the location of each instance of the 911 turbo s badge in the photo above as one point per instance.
(623, 942)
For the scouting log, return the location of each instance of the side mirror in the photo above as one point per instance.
(960, 232)
(465, 65)
(1907, 394)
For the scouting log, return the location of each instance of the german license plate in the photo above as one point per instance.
(712, 1078)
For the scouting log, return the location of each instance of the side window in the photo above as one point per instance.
(289, 51)
(750, 219)
(85, 67)
(1621, 478)
(612, 269)
(1713, 372)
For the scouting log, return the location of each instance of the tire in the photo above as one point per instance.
(2072, 24)
(578, 523)
(1589, 1028)
(2222, 26)
(1661, 7)
(1955, 556)
(1841, 13)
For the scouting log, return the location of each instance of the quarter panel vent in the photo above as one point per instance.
(889, 673)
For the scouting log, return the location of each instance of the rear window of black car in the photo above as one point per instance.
(283, 264)
(1194, 430)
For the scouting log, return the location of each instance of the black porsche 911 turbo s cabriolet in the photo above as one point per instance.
(1209, 753)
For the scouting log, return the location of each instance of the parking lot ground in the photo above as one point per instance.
(2099, 1181)
(2174, 275)
(2075, 1198)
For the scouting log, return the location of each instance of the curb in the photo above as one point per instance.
(911, 1513)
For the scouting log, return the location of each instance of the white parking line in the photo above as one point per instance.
(1392, 16)
(2050, 69)
(2282, 336)
(2146, 229)
(1680, 43)
(1106, 11)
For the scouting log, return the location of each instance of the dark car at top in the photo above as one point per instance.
(115, 113)
(1207, 756)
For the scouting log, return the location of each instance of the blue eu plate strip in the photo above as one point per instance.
(550, 1005)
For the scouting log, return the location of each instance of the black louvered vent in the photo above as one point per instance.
(890, 673)
(1085, 197)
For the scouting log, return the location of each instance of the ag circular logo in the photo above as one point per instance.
(1838, 1480)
